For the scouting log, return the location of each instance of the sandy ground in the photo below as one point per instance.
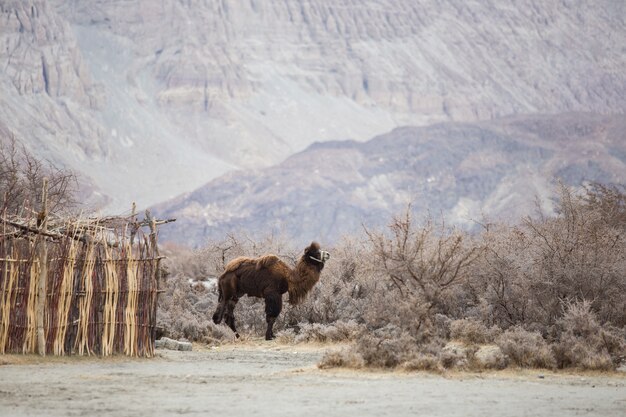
(266, 379)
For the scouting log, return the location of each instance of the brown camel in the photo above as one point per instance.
(267, 277)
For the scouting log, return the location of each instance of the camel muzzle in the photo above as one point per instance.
(324, 256)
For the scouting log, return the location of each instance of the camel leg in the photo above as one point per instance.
(219, 312)
(273, 306)
(228, 300)
(218, 316)
(230, 315)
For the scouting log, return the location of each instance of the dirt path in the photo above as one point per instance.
(273, 380)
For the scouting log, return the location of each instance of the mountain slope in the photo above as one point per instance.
(152, 98)
(460, 171)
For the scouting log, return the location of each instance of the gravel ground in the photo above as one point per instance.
(266, 379)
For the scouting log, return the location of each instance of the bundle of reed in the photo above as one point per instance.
(130, 313)
(120, 314)
(86, 285)
(15, 297)
(65, 293)
(30, 339)
(22, 309)
(110, 303)
(7, 299)
(147, 293)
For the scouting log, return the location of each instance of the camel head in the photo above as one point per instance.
(313, 254)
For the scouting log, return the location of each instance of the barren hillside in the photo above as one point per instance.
(459, 171)
(149, 99)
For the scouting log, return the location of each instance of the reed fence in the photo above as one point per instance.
(86, 287)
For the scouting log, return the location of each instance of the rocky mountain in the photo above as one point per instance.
(462, 172)
(151, 98)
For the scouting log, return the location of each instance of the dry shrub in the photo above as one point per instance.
(458, 355)
(577, 353)
(442, 323)
(583, 343)
(21, 182)
(340, 331)
(411, 281)
(423, 362)
(182, 313)
(386, 347)
(454, 355)
(526, 349)
(345, 358)
(529, 271)
(609, 201)
(392, 346)
(473, 331)
(286, 337)
(489, 357)
(425, 264)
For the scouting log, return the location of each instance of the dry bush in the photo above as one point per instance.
(410, 284)
(528, 272)
(424, 263)
(418, 271)
(188, 263)
(526, 349)
(391, 346)
(489, 357)
(340, 331)
(572, 352)
(501, 288)
(21, 182)
(584, 343)
(345, 358)
(182, 313)
(454, 355)
(423, 362)
(387, 347)
(609, 201)
(473, 331)
(286, 336)
(458, 355)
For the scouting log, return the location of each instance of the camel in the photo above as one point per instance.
(268, 277)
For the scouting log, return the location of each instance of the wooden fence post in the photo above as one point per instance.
(133, 224)
(42, 255)
(153, 240)
(157, 269)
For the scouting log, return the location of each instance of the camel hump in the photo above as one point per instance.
(236, 263)
(266, 261)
